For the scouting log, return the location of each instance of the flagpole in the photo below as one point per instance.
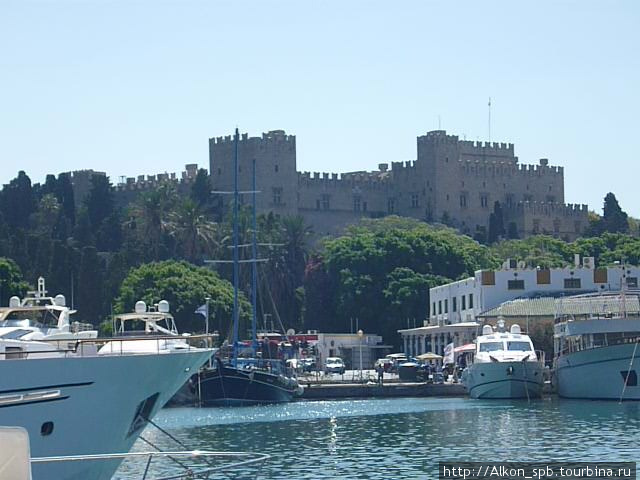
(206, 321)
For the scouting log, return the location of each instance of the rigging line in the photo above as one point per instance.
(624, 387)
(186, 468)
(275, 310)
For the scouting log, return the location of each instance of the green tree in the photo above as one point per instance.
(90, 295)
(17, 201)
(99, 201)
(614, 220)
(201, 189)
(65, 196)
(11, 281)
(196, 237)
(185, 287)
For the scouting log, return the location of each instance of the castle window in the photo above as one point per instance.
(515, 284)
(484, 200)
(219, 171)
(414, 200)
(447, 197)
(577, 227)
(364, 206)
(391, 205)
(325, 201)
(536, 226)
(556, 226)
(277, 195)
(317, 204)
(276, 168)
(356, 204)
(463, 200)
(509, 200)
(484, 184)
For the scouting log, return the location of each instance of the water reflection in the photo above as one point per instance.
(405, 438)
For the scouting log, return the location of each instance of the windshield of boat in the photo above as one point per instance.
(30, 318)
(491, 346)
(519, 346)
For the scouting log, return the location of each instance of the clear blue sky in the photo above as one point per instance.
(132, 87)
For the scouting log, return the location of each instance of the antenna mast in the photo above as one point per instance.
(489, 119)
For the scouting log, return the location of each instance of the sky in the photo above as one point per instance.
(139, 86)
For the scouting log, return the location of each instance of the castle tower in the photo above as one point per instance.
(276, 176)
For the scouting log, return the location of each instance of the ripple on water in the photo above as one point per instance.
(404, 438)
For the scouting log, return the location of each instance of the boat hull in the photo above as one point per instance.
(228, 386)
(504, 380)
(598, 373)
(94, 405)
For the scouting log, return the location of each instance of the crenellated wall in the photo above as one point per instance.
(450, 180)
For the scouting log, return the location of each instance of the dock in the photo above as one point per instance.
(330, 391)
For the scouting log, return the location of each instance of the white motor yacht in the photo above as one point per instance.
(505, 365)
(596, 340)
(76, 398)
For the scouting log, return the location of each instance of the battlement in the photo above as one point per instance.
(149, 182)
(270, 136)
(542, 168)
(438, 137)
(371, 180)
(552, 209)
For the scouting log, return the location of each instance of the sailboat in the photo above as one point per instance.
(245, 381)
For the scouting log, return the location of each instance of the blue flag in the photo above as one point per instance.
(202, 310)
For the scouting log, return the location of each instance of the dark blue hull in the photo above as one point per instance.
(226, 385)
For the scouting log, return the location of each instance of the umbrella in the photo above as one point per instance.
(469, 347)
(429, 356)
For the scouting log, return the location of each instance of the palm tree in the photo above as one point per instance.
(194, 234)
(149, 216)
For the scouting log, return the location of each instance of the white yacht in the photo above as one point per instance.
(505, 365)
(43, 318)
(596, 347)
(74, 398)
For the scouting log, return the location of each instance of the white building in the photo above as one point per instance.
(455, 306)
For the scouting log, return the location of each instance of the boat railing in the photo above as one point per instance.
(71, 347)
(194, 464)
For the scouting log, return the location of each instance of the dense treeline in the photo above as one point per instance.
(376, 275)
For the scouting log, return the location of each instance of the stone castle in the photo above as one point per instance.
(452, 181)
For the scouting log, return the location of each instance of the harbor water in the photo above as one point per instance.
(402, 437)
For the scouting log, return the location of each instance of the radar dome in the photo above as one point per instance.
(141, 307)
(60, 301)
(163, 306)
(515, 329)
(14, 302)
(487, 330)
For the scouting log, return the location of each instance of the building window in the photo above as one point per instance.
(454, 304)
(464, 302)
(391, 205)
(471, 300)
(463, 200)
(364, 206)
(277, 195)
(325, 201)
(276, 167)
(536, 225)
(356, 204)
(572, 283)
(439, 307)
(414, 200)
(632, 282)
(433, 308)
(515, 284)
(484, 200)
(509, 200)
(446, 305)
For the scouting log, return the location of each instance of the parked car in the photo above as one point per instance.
(308, 364)
(334, 365)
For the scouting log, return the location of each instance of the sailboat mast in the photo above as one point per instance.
(236, 316)
(254, 265)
